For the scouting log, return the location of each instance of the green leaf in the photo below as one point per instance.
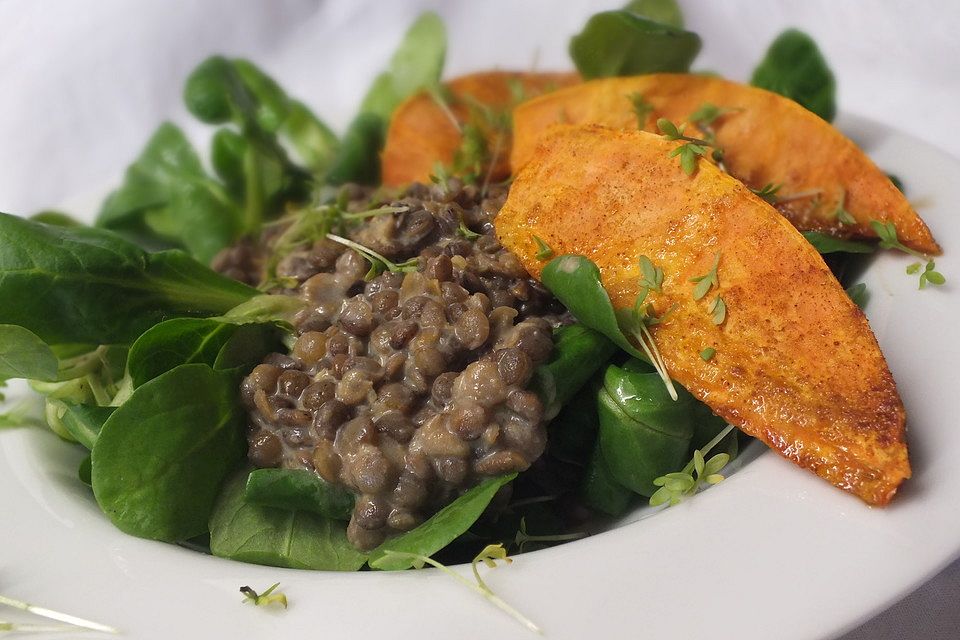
(211, 90)
(794, 67)
(358, 158)
(575, 281)
(600, 490)
(718, 310)
(930, 276)
(278, 537)
(237, 92)
(84, 422)
(298, 490)
(651, 276)
(707, 354)
(707, 113)
(698, 462)
(56, 218)
(935, 278)
(416, 64)
(221, 344)
(897, 182)
(621, 43)
(161, 458)
(270, 105)
(714, 464)
(544, 251)
(227, 151)
(82, 285)
(441, 529)
(167, 160)
(707, 281)
(85, 471)
(172, 343)
(643, 432)
(24, 355)
(663, 11)
(824, 243)
(669, 130)
(247, 346)
(578, 352)
(265, 308)
(313, 140)
(768, 192)
(167, 194)
(858, 294)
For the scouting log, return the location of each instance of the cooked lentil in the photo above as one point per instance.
(408, 388)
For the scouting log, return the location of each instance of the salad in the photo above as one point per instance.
(499, 312)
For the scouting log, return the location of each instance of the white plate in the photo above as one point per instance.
(771, 552)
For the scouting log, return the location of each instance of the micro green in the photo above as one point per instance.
(268, 597)
(638, 324)
(841, 214)
(676, 487)
(707, 281)
(464, 231)
(488, 556)
(768, 192)
(303, 228)
(523, 537)
(930, 276)
(887, 233)
(642, 108)
(575, 281)
(707, 354)
(378, 263)
(688, 152)
(651, 276)
(708, 113)
(473, 154)
(440, 176)
(70, 622)
(718, 310)
(544, 251)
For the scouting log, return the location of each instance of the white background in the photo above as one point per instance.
(84, 84)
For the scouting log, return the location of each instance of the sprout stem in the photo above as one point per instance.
(43, 612)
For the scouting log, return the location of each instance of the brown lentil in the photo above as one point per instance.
(407, 389)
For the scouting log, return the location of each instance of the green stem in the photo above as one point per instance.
(653, 353)
(99, 392)
(709, 446)
(253, 192)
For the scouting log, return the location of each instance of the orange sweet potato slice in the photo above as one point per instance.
(421, 132)
(796, 364)
(767, 139)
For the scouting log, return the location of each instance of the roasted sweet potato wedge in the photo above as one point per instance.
(422, 133)
(796, 363)
(767, 140)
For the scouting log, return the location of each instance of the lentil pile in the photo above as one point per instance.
(407, 388)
